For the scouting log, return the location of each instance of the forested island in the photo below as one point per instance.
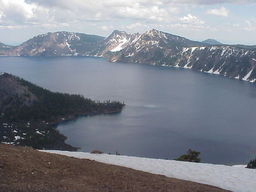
(29, 114)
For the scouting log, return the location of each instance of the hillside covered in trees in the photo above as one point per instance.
(28, 113)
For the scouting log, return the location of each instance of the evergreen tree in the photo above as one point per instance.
(191, 156)
(251, 164)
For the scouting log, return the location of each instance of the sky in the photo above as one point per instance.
(228, 21)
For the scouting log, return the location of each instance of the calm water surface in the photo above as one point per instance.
(167, 110)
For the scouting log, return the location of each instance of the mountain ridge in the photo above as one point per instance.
(212, 42)
(152, 47)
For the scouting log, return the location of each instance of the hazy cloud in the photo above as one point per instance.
(16, 9)
(19, 12)
(209, 2)
(140, 12)
(63, 12)
(134, 9)
(191, 19)
(219, 12)
(134, 25)
(102, 16)
(250, 25)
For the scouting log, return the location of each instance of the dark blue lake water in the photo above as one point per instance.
(167, 110)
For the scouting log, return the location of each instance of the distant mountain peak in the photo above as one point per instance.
(4, 73)
(212, 42)
(4, 46)
(1, 73)
(118, 40)
(154, 32)
(117, 33)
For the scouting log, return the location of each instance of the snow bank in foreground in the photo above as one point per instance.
(237, 179)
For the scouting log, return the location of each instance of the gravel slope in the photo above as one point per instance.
(23, 169)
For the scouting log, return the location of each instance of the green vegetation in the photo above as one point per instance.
(191, 156)
(251, 164)
(52, 107)
(29, 114)
(96, 152)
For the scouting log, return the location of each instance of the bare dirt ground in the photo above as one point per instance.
(23, 169)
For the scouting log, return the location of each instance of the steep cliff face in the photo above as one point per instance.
(227, 61)
(159, 48)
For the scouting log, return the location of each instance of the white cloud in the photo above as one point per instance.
(1, 15)
(103, 16)
(19, 12)
(208, 2)
(191, 19)
(62, 11)
(139, 12)
(16, 8)
(222, 11)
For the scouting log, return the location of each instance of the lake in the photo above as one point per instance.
(167, 110)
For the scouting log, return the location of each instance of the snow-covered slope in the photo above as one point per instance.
(234, 178)
(117, 41)
(159, 48)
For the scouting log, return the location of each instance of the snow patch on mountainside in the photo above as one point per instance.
(120, 46)
(234, 178)
(193, 49)
(246, 77)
